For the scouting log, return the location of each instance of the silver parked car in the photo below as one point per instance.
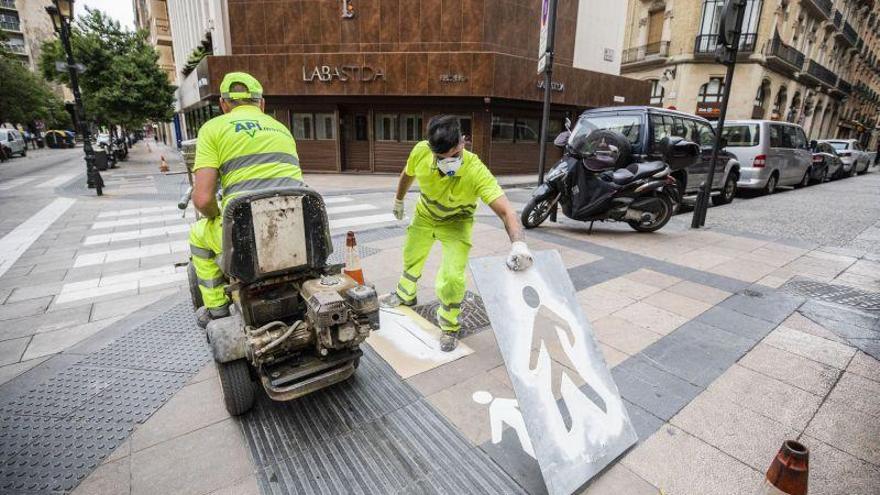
(770, 153)
(12, 142)
(855, 159)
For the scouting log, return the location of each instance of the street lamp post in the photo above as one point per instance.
(61, 12)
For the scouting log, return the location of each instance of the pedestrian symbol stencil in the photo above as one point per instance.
(575, 418)
(505, 412)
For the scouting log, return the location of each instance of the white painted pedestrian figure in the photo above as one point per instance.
(505, 412)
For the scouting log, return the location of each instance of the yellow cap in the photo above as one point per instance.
(255, 90)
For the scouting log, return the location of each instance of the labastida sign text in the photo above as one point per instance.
(327, 73)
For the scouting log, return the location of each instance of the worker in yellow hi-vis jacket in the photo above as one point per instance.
(243, 150)
(451, 179)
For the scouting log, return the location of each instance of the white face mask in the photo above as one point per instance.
(449, 166)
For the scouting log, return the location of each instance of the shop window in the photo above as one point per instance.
(410, 127)
(361, 128)
(657, 93)
(527, 130)
(302, 125)
(712, 91)
(325, 126)
(502, 129)
(465, 124)
(554, 128)
(386, 127)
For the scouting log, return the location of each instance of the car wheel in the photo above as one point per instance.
(24, 152)
(806, 180)
(770, 188)
(727, 192)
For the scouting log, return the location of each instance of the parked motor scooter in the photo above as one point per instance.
(296, 321)
(595, 180)
(120, 150)
(105, 144)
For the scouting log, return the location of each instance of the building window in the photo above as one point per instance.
(411, 127)
(502, 129)
(386, 127)
(657, 93)
(527, 130)
(302, 125)
(360, 128)
(510, 129)
(325, 126)
(711, 91)
(711, 20)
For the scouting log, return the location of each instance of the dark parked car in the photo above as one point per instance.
(645, 128)
(827, 163)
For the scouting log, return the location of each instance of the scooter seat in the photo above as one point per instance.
(637, 171)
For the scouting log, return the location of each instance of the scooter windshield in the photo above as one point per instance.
(627, 125)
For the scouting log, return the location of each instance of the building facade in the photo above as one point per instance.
(357, 82)
(813, 62)
(152, 17)
(26, 25)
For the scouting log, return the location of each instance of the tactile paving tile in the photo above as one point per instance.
(473, 317)
(839, 294)
(338, 255)
(53, 435)
(373, 235)
(370, 434)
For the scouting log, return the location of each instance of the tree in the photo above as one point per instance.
(122, 83)
(26, 97)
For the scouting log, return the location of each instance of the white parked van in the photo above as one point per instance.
(12, 142)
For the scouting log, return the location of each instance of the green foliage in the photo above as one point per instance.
(26, 97)
(122, 84)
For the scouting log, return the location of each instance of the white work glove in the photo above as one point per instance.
(398, 209)
(520, 258)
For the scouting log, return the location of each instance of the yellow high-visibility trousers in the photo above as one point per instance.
(205, 244)
(450, 284)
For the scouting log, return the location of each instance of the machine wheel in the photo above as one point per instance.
(727, 192)
(194, 293)
(238, 389)
(659, 221)
(536, 212)
(770, 188)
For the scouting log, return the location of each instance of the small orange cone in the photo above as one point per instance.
(163, 165)
(353, 259)
(789, 471)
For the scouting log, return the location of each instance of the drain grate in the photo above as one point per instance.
(53, 435)
(839, 294)
(338, 255)
(473, 316)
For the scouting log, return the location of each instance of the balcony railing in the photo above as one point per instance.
(658, 50)
(822, 73)
(788, 54)
(850, 33)
(14, 48)
(707, 43)
(7, 4)
(10, 26)
(821, 7)
(844, 86)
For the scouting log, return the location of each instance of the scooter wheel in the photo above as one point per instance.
(536, 212)
(661, 219)
(238, 389)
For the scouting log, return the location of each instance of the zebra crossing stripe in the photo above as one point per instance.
(139, 220)
(137, 211)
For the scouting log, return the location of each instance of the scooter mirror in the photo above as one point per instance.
(568, 123)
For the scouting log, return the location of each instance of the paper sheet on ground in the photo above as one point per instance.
(410, 343)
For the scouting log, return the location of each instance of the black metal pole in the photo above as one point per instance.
(699, 218)
(548, 83)
(92, 176)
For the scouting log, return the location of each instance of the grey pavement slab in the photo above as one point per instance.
(644, 422)
(45, 343)
(803, 373)
(763, 303)
(658, 392)
(197, 462)
(827, 314)
(21, 309)
(10, 371)
(868, 346)
(852, 431)
(619, 479)
(767, 396)
(697, 353)
(800, 322)
(661, 460)
(833, 471)
(865, 366)
(811, 347)
(51, 320)
(860, 394)
(509, 455)
(12, 350)
(741, 433)
(111, 478)
(736, 323)
(35, 291)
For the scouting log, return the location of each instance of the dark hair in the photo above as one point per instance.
(241, 88)
(444, 133)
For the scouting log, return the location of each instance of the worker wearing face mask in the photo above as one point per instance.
(451, 179)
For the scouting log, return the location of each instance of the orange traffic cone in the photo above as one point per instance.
(163, 165)
(353, 259)
(788, 472)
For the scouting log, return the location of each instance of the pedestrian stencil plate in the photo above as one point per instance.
(548, 348)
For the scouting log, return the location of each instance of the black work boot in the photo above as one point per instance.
(393, 300)
(205, 315)
(448, 341)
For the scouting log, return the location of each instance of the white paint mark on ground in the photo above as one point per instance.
(57, 181)
(139, 220)
(137, 211)
(335, 210)
(136, 234)
(130, 253)
(111, 284)
(338, 199)
(15, 243)
(13, 183)
(344, 223)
